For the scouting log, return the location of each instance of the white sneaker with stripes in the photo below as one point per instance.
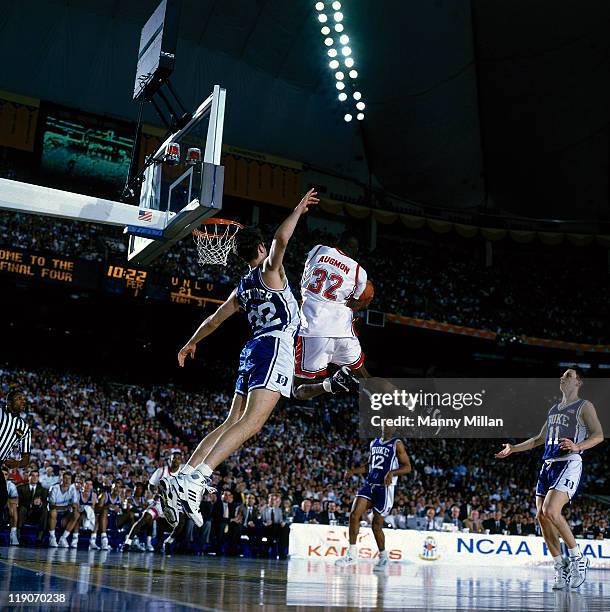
(190, 490)
(578, 570)
(562, 574)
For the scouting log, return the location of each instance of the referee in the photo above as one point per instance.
(13, 430)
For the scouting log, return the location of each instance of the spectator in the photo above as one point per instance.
(250, 521)
(454, 519)
(305, 514)
(275, 527)
(433, 523)
(495, 525)
(48, 478)
(473, 522)
(331, 516)
(224, 527)
(33, 505)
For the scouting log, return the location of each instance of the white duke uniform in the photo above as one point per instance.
(327, 334)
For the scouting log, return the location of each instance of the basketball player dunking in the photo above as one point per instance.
(266, 362)
(332, 281)
(388, 459)
(571, 427)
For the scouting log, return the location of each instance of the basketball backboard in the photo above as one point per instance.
(183, 180)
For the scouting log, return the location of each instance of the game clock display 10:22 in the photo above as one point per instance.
(131, 277)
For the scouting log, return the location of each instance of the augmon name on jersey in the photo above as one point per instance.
(334, 262)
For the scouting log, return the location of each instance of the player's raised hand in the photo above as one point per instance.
(505, 452)
(308, 200)
(185, 351)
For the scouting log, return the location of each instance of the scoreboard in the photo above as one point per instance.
(115, 278)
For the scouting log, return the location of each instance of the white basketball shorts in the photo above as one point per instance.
(313, 354)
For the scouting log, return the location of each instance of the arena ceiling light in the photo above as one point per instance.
(340, 52)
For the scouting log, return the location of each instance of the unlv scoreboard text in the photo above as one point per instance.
(117, 278)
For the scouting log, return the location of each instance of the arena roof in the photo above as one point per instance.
(501, 103)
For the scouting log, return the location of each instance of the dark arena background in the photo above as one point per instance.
(465, 143)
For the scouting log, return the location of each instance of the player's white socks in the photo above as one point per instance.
(383, 554)
(13, 530)
(148, 540)
(128, 541)
(558, 560)
(353, 551)
(65, 535)
(574, 552)
(204, 470)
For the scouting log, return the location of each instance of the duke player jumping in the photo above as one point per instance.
(388, 459)
(571, 427)
(266, 362)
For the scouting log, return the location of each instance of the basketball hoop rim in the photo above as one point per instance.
(215, 221)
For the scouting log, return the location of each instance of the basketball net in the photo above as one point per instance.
(215, 239)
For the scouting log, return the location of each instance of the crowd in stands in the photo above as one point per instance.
(99, 443)
(447, 285)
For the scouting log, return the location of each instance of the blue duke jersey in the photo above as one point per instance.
(268, 310)
(267, 359)
(564, 422)
(382, 459)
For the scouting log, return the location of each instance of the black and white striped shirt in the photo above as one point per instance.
(13, 430)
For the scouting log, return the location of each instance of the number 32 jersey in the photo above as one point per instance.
(268, 310)
(329, 279)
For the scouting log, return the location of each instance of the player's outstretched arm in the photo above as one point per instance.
(404, 464)
(284, 233)
(223, 312)
(594, 427)
(509, 449)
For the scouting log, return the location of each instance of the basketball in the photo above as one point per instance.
(367, 295)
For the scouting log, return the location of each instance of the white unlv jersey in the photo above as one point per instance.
(329, 279)
(162, 472)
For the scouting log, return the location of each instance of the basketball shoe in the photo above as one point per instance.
(578, 570)
(343, 380)
(381, 565)
(170, 501)
(562, 573)
(189, 490)
(346, 560)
